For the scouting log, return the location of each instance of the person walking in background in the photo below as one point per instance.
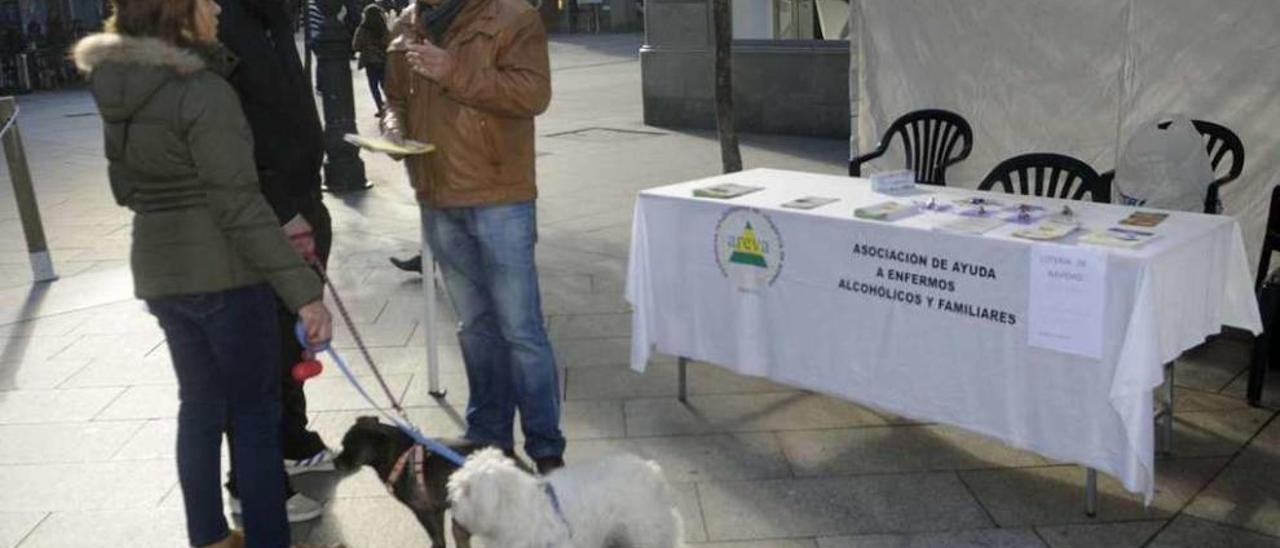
(469, 76)
(288, 153)
(370, 44)
(207, 256)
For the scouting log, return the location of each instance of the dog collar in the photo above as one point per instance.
(413, 458)
(555, 505)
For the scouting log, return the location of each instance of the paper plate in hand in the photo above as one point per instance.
(387, 146)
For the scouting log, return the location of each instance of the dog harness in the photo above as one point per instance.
(415, 459)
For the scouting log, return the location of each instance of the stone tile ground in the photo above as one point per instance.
(87, 397)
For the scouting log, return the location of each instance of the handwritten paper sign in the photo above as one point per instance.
(1067, 301)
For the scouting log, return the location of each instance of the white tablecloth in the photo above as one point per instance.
(843, 306)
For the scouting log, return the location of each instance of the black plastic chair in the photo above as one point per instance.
(929, 139)
(1270, 239)
(1050, 175)
(1218, 143)
(1268, 288)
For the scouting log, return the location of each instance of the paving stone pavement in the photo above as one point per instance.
(87, 397)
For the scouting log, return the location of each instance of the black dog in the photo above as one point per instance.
(415, 476)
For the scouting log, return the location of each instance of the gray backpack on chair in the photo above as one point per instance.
(1164, 166)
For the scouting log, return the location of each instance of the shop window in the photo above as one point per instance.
(790, 19)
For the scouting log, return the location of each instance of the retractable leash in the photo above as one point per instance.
(400, 419)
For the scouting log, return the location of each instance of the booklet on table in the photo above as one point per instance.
(886, 211)
(1050, 229)
(1146, 219)
(725, 191)
(810, 202)
(1119, 237)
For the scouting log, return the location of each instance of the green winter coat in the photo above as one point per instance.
(180, 156)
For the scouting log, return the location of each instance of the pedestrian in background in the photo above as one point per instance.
(370, 45)
(207, 256)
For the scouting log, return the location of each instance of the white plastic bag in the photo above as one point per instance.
(1164, 166)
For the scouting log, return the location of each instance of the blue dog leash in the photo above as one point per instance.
(408, 428)
(401, 422)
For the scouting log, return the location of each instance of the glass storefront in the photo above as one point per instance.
(791, 19)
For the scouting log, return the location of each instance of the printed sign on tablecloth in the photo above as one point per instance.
(1067, 299)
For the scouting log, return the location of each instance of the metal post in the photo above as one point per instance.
(682, 370)
(24, 193)
(429, 323)
(24, 73)
(343, 170)
(1091, 492)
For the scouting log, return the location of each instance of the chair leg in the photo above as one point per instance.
(1257, 369)
(1091, 492)
(1258, 363)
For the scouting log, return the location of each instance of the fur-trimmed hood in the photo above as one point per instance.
(100, 49)
(126, 71)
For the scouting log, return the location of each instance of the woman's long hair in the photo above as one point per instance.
(169, 20)
(374, 22)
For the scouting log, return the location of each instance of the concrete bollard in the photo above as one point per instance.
(24, 193)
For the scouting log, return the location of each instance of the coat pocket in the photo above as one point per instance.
(489, 133)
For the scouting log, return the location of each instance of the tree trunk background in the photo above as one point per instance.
(730, 155)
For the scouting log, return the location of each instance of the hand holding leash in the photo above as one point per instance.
(316, 322)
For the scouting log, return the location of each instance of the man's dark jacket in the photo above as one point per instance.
(277, 100)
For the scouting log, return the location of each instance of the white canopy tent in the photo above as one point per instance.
(1076, 77)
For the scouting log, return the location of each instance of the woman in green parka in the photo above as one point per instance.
(208, 255)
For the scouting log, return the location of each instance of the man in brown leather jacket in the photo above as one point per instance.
(469, 76)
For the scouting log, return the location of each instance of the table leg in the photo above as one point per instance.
(1167, 442)
(1091, 492)
(682, 370)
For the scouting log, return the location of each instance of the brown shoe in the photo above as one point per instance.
(234, 539)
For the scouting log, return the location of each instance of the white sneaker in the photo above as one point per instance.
(299, 507)
(319, 462)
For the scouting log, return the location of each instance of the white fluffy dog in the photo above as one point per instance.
(620, 501)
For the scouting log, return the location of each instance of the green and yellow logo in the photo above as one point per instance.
(748, 248)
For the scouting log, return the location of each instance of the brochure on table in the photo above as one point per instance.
(972, 215)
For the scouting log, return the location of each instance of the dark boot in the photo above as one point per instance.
(409, 265)
(546, 465)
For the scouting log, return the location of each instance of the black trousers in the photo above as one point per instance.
(296, 442)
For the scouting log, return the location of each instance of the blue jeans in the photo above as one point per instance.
(226, 352)
(486, 257)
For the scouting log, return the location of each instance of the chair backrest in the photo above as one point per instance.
(1218, 143)
(1050, 175)
(932, 140)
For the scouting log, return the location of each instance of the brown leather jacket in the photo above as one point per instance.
(481, 117)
